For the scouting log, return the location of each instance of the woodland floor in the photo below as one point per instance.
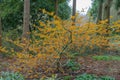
(88, 65)
(100, 68)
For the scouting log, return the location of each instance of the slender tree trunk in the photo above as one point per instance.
(26, 20)
(74, 10)
(0, 32)
(108, 11)
(56, 7)
(99, 17)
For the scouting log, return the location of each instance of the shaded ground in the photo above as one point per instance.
(4, 63)
(100, 68)
(88, 65)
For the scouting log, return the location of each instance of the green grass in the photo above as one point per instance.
(93, 77)
(107, 58)
(11, 76)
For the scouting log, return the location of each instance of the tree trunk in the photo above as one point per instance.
(0, 32)
(99, 17)
(26, 20)
(56, 7)
(74, 10)
(108, 11)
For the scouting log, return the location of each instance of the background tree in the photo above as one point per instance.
(56, 7)
(117, 6)
(109, 8)
(106, 14)
(74, 9)
(94, 9)
(0, 27)
(12, 12)
(57, 2)
(0, 32)
(100, 5)
(26, 19)
(108, 11)
(64, 10)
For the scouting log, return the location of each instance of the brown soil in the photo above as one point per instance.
(88, 65)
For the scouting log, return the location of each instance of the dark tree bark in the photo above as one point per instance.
(74, 10)
(99, 17)
(56, 7)
(107, 10)
(0, 32)
(26, 20)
